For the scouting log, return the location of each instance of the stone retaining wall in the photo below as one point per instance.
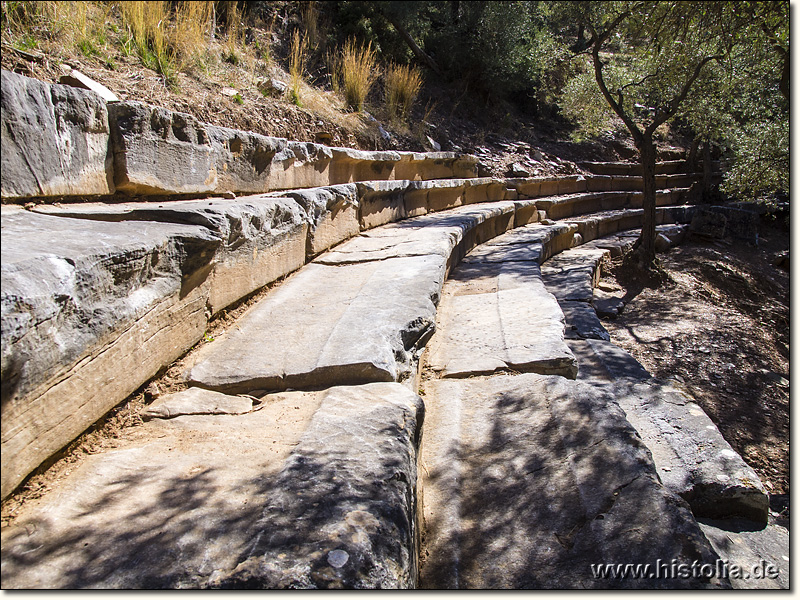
(62, 141)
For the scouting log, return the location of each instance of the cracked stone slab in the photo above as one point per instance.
(545, 477)
(311, 490)
(263, 237)
(437, 234)
(197, 401)
(692, 457)
(498, 316)
(329, 325)
(90, 311)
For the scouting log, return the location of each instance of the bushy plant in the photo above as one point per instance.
(357, 71)
(402, 84)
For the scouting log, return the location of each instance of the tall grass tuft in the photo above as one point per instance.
(191, 30)
(297, 59)
(402, 84)
(149, 26)
(233, 27)
(357, 69)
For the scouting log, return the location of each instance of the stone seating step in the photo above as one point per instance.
(667, 167)
(692, 457)
(359, 313)
(530, 480)
(307, 490)
(495, 313)
(573, 205)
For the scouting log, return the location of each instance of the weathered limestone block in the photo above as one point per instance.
(528, 187)
(157, 151)
(246, 162)
(416, 166)
(529, 480)
(88, 320)
(382, 202)
(599, 183)
(332, 213)
(498, 316)
(196, 401)
(54, 140)
(263, 237)
(692, 457)
(349, 165)
(572, 184)
(570, 205)
(329, 325)
(548, 186)
(526, 212)
(315, 489)
(573, 274)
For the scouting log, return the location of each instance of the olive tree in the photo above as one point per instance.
(645, 58)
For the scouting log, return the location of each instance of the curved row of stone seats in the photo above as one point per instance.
(692, 457)
(572, 205)
(359, 313)
(63, 141)
(667, 167)
(244, 244)
(521, 468)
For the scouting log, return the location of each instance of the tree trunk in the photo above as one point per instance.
(707, 172)
(647, 240)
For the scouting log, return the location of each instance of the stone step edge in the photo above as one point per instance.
(139, 149)
(749, 501)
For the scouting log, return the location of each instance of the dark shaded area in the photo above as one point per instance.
(725, 323)
(548, 480)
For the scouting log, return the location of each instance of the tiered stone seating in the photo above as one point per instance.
(291, 459)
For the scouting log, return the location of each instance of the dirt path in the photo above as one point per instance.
(721, 327)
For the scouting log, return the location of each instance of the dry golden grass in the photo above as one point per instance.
(191, 33)
(297, 60)
(402, 84)
(357, 71)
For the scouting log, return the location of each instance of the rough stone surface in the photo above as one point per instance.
(157, 151)
(88, 320)
(332, 212)
(692, 457)
(529, 480)
(54, 140)
(197, 401)
(499, 316)
(315, 489)
(263, 238)
(748, 545)
(572, 274)
(329, 325)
